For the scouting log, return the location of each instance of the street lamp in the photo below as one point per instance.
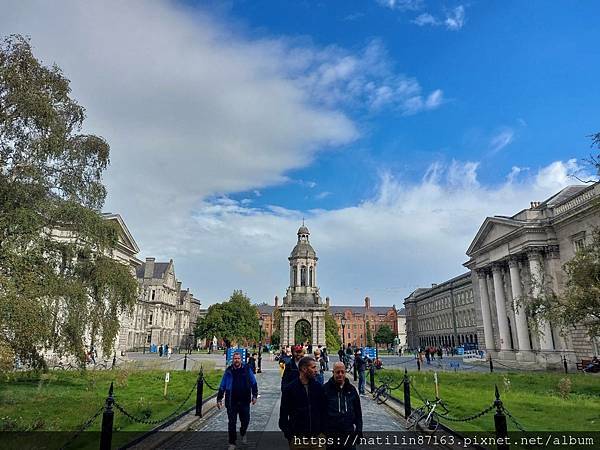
(343, 321)
(261, 321)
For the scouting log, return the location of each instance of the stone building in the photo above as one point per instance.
(401, 326)
(357, 317)
(511, 257)
(443, 315)
(302, 302)
(162, 315)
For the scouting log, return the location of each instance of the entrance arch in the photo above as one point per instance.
(302, 332)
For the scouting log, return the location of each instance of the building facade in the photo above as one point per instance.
(302, 302)
(513, 257)
(401, 325)
(443, 315)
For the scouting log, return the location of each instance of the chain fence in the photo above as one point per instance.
(88, 423)
(208, 384)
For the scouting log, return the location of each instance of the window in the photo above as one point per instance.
(150, 320)
(153, 294)
(303, 276)
(578, 241)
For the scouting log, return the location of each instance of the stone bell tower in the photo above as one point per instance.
(302, 301)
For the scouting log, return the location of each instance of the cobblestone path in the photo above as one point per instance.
(263, 432)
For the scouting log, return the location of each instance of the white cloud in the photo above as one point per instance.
(425, 19)
(402, 5)
(456, 18)
(379, 247)
(501, 140)
(322, 195)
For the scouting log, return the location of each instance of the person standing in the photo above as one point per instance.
(291, 371)
(344, 412)
(252, 363)
(361, 365)
(239, 387)
(321, 366)
(302, 409)
(341, 353)
(160, 351)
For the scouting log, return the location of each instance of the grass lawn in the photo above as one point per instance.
(65, 400)
(534, 399)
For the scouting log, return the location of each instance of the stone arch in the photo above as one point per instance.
(302, 332)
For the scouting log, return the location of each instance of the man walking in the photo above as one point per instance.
(239, 387)
(301, 413)
(360, 364)
(344, 413)
(291, 372)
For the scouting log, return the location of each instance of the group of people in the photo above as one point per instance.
(310, 405)
(164, 350)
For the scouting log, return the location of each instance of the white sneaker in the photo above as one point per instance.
(244, 439)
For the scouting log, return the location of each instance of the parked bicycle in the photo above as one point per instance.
(383, 392)
(426, 416)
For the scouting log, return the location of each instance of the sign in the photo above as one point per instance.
(460, 351)
(370, 352)
(167, 379)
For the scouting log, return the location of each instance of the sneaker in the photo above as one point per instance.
(231, 447)
(244, 439)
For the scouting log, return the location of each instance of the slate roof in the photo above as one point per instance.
(359, 309)
(159, 270)
(265, 309)
(564, 195)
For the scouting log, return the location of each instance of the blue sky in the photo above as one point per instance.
(393, 126)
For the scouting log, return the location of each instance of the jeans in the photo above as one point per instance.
(361, 381)
(243, 409)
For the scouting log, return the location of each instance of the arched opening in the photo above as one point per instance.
(303, 276)
(302, 332)
(295, 277)
(310, 277)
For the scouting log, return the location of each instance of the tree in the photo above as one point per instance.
(369, 334)
(276, 336)
(384, 335)
(332, 333)
(302, 332)
(235, 320)
(578, 305)
(58, 282)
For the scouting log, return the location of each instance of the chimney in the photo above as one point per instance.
(367, 302)
(327, 301)
(276, 301)
(149, 268)
(433, 285)
(534, 204)
(178, 287)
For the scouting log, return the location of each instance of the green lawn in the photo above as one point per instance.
(64, 400)
(533, 399)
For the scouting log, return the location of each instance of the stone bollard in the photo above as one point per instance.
(107, 421)
(500, 424)
(185, 363)
(199, 392)
(491, 365)
(407, 406)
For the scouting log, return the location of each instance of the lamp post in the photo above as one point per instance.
(343, 321)
(260, 325)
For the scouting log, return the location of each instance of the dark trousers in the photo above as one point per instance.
(243, 409)
(361, 381)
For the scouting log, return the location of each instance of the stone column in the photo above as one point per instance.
(520, 318)
(485, 311)
(537, 278)
(501, 307)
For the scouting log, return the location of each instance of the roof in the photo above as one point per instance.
(303, 249)
(303, 230)
(159, 270)
(564, 195)
(360, 309)
(265, 309)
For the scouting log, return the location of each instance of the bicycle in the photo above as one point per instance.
(382, 393)
(348, 363)
(426, 417)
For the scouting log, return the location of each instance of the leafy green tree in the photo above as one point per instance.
(235, 320)
(302, 332)
(384, 335)
(332, 333)
(578, 305)
(58, 281)
(276, 336)
(369, 335)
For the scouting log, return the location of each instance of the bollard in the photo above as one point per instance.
(114, 361)
(491, 365)
(107, 421)
(407, 407)
(419, 365)
(372, 377)
(199, 392)
(500, 424)
(259, 370)
(144, 347)
(185, 363)
(565, 364)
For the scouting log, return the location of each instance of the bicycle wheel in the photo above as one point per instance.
(430, 423)
(383, 395)
(376, 392)
(415, 416)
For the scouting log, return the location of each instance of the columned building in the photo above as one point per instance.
(443, 315)
(302, 302)
(518, 256)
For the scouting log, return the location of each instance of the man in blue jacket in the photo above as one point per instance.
(302, 410)
(239, 387)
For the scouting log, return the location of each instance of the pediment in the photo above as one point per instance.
(125, 237)
(493, 229)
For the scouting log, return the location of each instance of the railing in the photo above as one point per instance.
(582, 198)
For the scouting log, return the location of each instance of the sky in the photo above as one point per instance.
(393, 127)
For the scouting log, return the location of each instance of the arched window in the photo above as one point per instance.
(303, 276)
(294, 281)
(310, 278)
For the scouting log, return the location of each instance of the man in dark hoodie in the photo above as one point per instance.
(344, 421)
(301, 413)
(239, 387)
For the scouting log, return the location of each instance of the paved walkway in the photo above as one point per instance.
(263, 432)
